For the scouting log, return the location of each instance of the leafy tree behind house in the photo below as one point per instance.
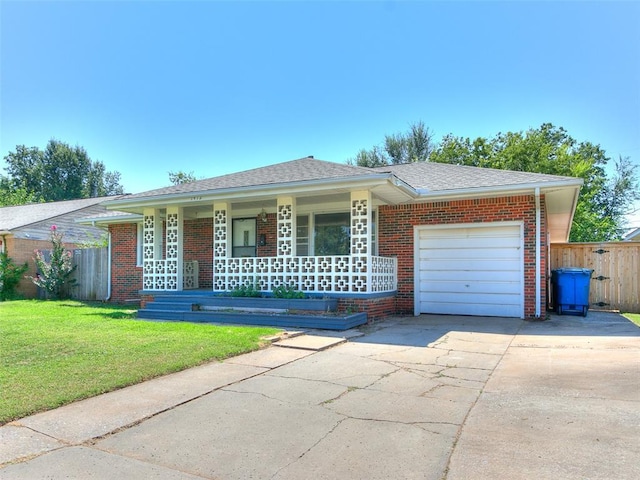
(10, 195)
(59, 172)
(180, 177)
(414, 146)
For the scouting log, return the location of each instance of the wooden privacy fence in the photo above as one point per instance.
(616, 268)
(92, 272)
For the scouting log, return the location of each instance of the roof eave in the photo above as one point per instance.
(95, 221)
(289, 188)
(498, 190)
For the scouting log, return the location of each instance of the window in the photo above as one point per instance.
(244, 237)
(323, 234)
(331, 235)
(302, 235)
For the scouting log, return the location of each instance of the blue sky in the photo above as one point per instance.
(216, 87)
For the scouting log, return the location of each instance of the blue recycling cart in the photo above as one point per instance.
(571, 290)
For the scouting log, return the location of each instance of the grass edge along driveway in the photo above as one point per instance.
(56, 352)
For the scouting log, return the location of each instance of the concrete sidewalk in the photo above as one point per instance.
(417, 397)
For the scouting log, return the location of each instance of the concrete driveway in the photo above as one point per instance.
(416, 397)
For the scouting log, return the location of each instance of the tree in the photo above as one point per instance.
(413, 146)
(13, 196)
(603, 201)
(60, 172)
(180, 177)
(55, 274)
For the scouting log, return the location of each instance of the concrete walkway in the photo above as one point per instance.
(417, 397)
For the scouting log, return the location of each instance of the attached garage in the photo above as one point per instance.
(470, 269)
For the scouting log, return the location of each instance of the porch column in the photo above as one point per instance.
(361, 241)
(220, 245)
(151, 249)
(174, 249)
(286, 215)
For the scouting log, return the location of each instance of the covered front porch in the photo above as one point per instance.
(317, 244)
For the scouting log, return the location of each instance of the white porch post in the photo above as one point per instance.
(286, 226)
(152, 235)
(221, 244)
(361, 241)
(174, 249)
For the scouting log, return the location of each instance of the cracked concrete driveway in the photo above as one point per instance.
(420, 397)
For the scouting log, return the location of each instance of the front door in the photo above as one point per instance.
(244, 237)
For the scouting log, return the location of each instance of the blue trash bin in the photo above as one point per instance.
(571, 290)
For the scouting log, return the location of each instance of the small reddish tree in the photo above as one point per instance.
(54, 276)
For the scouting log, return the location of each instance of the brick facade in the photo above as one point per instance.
(396, 236)
(126, 276)
(395, 227)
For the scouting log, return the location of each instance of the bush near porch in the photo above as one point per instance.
(57, 352)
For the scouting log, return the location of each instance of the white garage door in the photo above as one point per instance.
(470, 269)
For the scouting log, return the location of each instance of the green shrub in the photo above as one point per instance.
(287, 291)
(10, 275)
(246, 291)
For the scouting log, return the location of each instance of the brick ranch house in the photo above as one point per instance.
(414, 238)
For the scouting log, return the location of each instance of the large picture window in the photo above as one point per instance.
(331, 234)
(323, 234)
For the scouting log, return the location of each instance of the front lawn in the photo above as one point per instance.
(53, 353)
(634, 317)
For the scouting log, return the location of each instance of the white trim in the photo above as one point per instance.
(416, 255)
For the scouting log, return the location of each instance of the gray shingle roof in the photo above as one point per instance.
(287, 172)
(23, 215)
(442, 177)
(423, 177)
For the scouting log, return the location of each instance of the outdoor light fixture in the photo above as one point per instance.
(263, 216)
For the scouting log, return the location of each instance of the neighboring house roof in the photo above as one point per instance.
(34, 221)
(632, 236)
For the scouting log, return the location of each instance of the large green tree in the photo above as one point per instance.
(604, 199)
(413, 146)
(59, 172)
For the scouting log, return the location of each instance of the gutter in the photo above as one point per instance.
(496, 191)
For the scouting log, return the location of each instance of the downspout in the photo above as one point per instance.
(538, 286)
(108, 267)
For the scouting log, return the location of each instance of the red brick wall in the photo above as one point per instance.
(198, 245)
(126, 276)
(376, 308)
(269, 230)
(396, 236)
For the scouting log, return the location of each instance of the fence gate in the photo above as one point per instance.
(92, 271)
(615, 283)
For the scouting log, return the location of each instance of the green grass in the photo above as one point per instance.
(634, 317)
(53, 353)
